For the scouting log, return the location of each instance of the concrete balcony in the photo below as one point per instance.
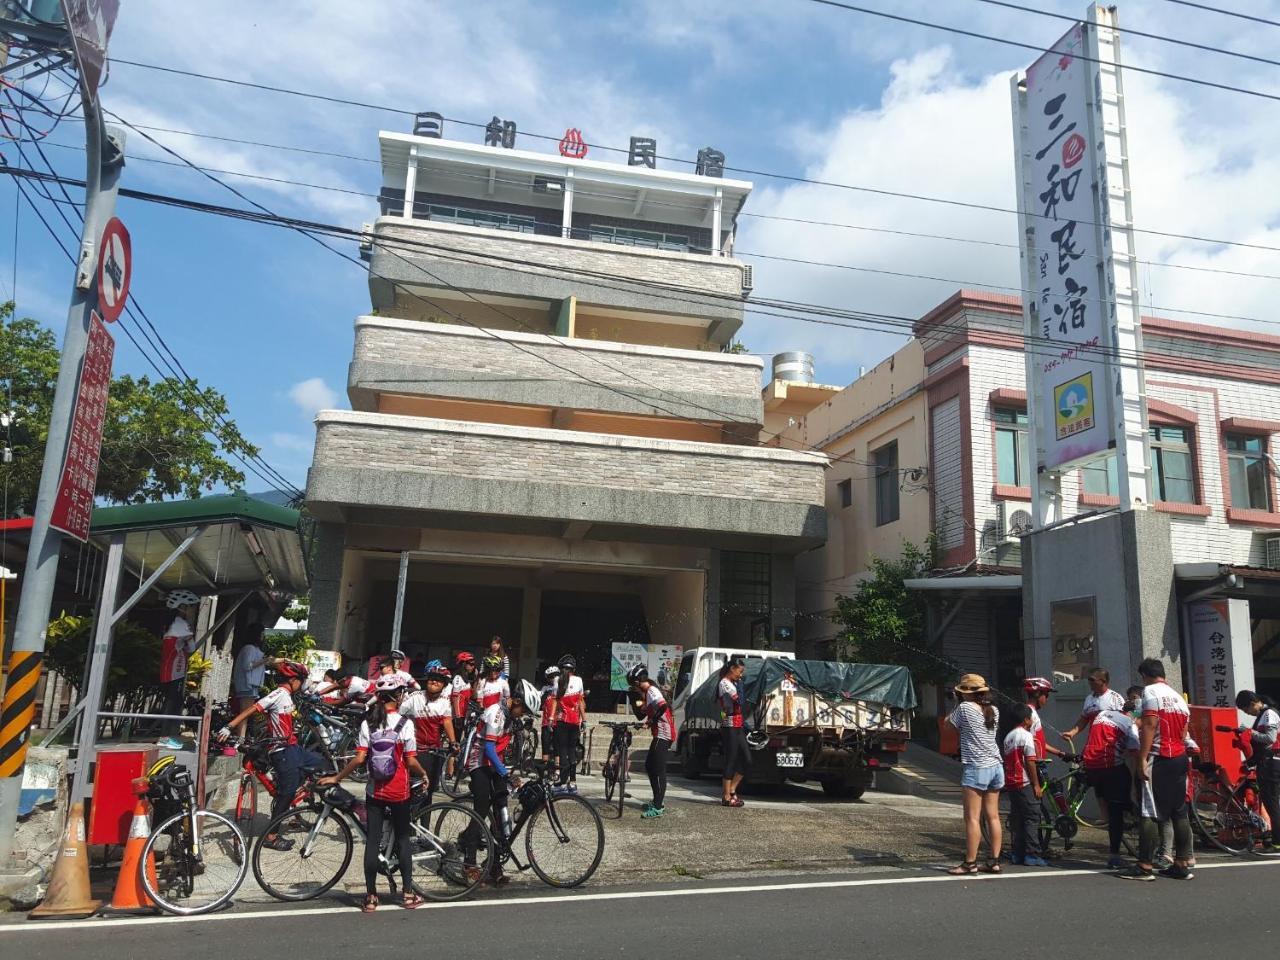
(411, 257)
(415, 358)
(420, 472)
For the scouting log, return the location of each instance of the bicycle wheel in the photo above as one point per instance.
(445, 837)
(1077, 794)
(320, 846)
(195, 871)
(1223, 819)
(565, 841)
(624, 774)
(610, 774)
(247, 805)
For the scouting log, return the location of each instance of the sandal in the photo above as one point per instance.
(965, 868)
(411, 901)
(370, 903)
(991, 866)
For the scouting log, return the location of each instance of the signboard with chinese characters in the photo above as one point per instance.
(1071, 317)
(73, 505)
(663, 661)
(1221, 651)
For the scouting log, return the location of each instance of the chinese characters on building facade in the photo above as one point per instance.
(73, 506)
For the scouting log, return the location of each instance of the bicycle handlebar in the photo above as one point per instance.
(1225, 729)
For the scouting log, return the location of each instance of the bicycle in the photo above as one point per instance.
(330, 731)
(1227, 815)
(255, 768)
(321, 842)
(616, 767)
(1059, 808)
(200, 856)
(564, 840)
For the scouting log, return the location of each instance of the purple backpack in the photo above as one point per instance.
(382, 752)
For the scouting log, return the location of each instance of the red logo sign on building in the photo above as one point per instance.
(1072, 150)
(573, 146)
(73, 506)
(115, 268)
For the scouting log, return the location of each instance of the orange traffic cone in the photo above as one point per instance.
(131, 896)
(68, 893)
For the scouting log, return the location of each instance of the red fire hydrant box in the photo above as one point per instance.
(113, 796)
(1217, 746)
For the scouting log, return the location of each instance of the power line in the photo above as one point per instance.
(181, 376)
(1225, 13)
(976, 35)
(1208, 48)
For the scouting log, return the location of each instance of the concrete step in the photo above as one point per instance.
(923, 773)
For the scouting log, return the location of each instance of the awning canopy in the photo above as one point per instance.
(245, 543)
(996, 583)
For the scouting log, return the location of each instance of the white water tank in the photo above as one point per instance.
(794, 366)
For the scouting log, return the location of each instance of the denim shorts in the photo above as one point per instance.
(981, 778)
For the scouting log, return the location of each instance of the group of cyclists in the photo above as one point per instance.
(1136, 756)
(434, 723)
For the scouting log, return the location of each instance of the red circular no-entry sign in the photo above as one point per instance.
(115, 267)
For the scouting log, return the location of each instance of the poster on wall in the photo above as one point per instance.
(1221, 651)
(662, 661)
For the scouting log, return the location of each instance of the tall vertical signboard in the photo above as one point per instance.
(1079, 269)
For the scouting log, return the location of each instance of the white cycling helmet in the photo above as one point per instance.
(180, 598)
(389, 683)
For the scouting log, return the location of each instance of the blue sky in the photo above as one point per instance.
(788, 86)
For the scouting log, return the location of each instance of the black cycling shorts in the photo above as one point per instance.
(548, 741)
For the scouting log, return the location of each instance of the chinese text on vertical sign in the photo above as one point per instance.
(1067, 225)
(73, 507)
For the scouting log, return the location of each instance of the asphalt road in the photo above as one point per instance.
(880, 912)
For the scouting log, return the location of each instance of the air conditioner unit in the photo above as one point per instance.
(747, 284)
(366, 240)
(1019, 524)
(1273, 553)
(548, 185)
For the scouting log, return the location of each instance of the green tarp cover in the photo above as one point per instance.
(873, 682)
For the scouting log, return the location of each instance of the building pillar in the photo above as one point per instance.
(566, 216)
(530, 618)
(326, 585)
(782, 602)
(717, 209)
(410, 182)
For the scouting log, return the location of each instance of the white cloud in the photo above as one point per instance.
(313, 395)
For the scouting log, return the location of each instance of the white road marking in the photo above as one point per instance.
(111, 923)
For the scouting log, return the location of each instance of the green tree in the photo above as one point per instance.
(135, 654)
(884, 622)
(153, 446)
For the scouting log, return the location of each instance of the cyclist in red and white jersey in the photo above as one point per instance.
(287, 759)
(493, 687)
(1101, 697)
(387, 796)
(1108, 773)
(1266, 757)
(1037, 690)
(1162, 765)
(351, 687)
(658, 716)
(462, 688)
(548, 707)
(568, 721)
(432, 720)
(490, 783)
(737, 756)
(395, 665)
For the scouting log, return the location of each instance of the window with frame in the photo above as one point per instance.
(1172, 465)
(886, 482)
(1073, 625)
(1247, 469)
(1099, 477)
(845, 487)
(1013, 457)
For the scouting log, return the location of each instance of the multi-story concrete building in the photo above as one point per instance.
(547, 438)
(1210, 529)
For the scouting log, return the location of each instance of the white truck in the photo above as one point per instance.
(834, 723)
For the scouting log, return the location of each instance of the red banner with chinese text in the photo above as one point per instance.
(73, 507)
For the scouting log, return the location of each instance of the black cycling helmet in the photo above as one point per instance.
(567, 662)
(637, 674)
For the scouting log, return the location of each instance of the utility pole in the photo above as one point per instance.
(104, 161)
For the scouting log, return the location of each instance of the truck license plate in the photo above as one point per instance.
(790, 758)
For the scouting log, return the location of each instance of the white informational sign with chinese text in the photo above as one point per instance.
(1221, 651)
